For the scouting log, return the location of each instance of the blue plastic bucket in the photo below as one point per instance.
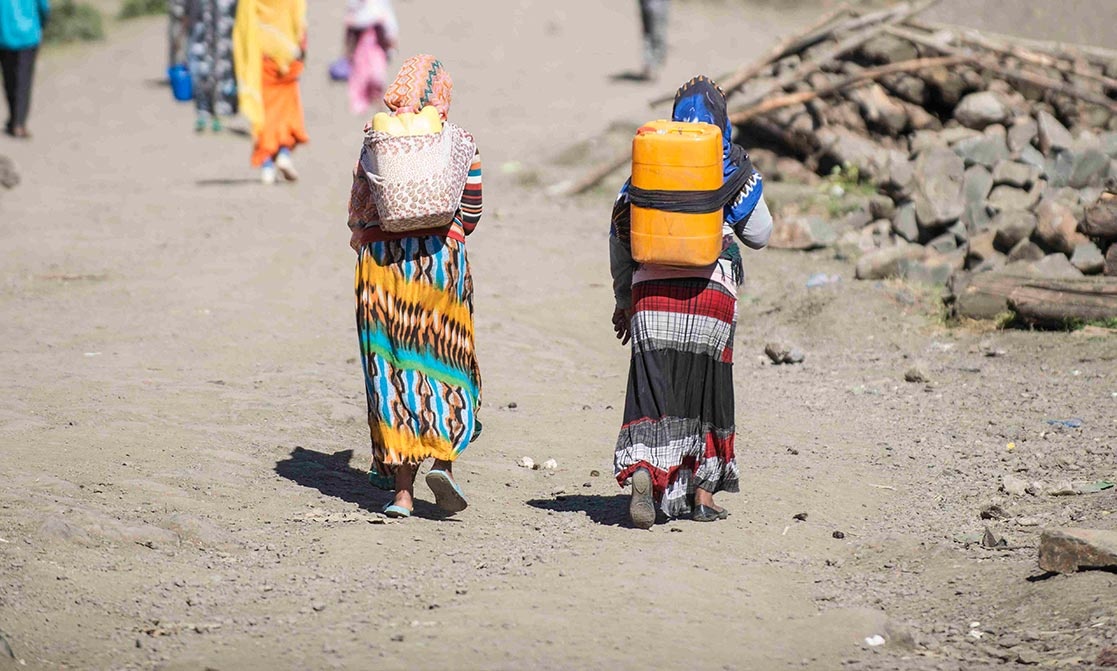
(181, 85)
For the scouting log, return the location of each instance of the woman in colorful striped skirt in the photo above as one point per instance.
(676, 444)
(415, 323)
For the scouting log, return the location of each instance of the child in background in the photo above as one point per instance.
(371, 34)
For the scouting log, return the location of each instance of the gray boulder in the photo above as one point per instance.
(1020, 175)
(1057, 226)
(1055, 266)
(1089, 169)
(1010, 227)
(1032, 156)
(879, 110)
(981, 109)
(1010, 198)
(904, 224)
(1052, 134)
(1087, 258)
(884, 263)
(1025, 251)
(1022, 133)
(984, 150)
(938, 188)
(803, 233)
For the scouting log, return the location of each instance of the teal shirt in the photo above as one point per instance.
(21, 23)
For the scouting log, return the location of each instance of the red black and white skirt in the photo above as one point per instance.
(678, 415)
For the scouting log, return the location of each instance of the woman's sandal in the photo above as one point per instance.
(396, 512)
(447, 495)
(707, 514)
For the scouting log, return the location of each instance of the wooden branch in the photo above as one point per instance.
(1097, 55)
(848, 44)
(789, 45)
(590, 179)
(863, 77)
(987, 63)
(981, 41)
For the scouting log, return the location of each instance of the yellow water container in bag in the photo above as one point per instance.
(676, 156)
(426, 122)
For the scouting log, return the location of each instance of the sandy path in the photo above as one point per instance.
(182, 435)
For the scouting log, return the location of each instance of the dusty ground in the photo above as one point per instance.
(183, 448)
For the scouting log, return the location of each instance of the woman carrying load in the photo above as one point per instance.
(676, 443)
(269, 44)
(371, 34)
(210, 57)
(415, 320)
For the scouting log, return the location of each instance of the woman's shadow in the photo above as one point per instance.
(332, 475)
(609, 511)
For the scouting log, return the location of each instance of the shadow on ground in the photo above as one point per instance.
(608, 510)
(332, 475)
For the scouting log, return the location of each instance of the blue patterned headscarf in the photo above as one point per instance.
(702, 100)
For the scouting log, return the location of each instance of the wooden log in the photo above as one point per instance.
(1101, 218)
(865, 76)
(1050, 303)
(792, 44)
(1035, 299)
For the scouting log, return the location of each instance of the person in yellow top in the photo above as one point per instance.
(269, 44)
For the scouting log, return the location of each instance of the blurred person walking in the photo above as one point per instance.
(415, 318)
(269, 45)
(211, 60)
(676, 444)
(21, 32)
(653, 20)
(178, 33)
(371, 35)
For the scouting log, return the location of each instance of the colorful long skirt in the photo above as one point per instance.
(678, 414)
(283, 112)
(415, 323)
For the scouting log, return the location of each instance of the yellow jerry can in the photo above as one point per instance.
(426, 122)
(676, 156)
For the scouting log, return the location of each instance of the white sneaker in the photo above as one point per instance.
(287, 167)
(267, 174)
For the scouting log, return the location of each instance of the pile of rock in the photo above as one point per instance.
(989, 161)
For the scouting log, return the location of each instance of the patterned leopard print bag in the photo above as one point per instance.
(417, 180)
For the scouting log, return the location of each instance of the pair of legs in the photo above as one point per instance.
(405, 481)
(18, 66)
(280, 163)
(653, 20)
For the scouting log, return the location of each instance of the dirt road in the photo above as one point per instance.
(182, 443)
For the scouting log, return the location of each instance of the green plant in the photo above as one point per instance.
(133, 8)
(73, 22)
(1079, 324)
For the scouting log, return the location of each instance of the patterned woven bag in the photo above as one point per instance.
(417, 180)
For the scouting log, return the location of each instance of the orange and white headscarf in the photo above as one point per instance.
(421, 81)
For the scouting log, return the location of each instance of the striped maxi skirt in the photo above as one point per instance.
(415, 324)
(678, 415)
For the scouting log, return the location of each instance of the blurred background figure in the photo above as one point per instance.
(21, 31)
(178, 32)
(653, 19)
(371, 35)
(211, 60)
(269, 45)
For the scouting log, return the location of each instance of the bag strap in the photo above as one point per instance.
(691, 202)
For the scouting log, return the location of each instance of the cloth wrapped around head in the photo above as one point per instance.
(421, 81)
(702, 100)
